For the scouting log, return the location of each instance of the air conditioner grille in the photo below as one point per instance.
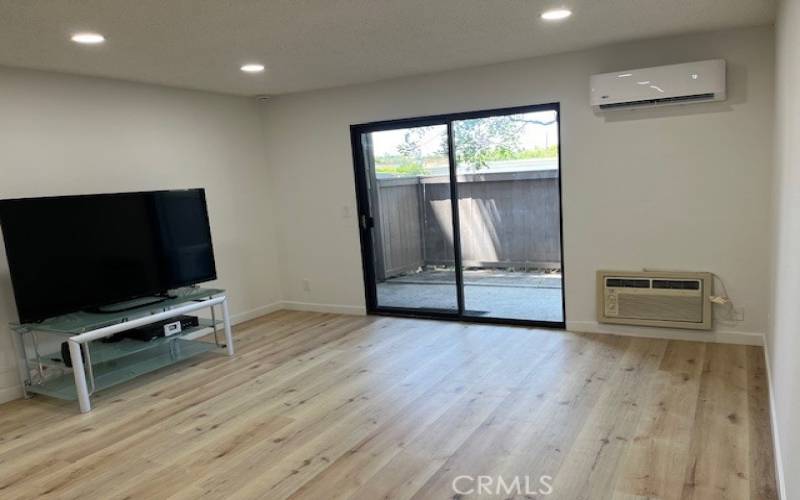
(628, 283)
(677, 284)
(665, 100)
(648, 307)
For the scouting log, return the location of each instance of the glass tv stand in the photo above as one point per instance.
(98, 365)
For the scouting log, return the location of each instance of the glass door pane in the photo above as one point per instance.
(408, 184)
(509, 215)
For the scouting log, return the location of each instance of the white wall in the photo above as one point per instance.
(692, 181)
(783, 341)
(68, 135)
(675, 188)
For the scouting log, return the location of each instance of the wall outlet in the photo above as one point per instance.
(738, 314)
(306, 285)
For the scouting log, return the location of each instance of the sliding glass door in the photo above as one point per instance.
(509, 213)
(460, 215)
(409, 203)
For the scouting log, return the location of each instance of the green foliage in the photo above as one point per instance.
(410, 161)
(405, 169)
(525, 154)
(482, 140)
(399, 166)
(478, 142)
(412, 142)
(495, 138)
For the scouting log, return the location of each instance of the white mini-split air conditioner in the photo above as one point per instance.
(700, 81)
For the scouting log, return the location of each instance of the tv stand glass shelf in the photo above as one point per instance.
(97, 363)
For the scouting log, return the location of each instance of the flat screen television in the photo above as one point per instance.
(72, 253)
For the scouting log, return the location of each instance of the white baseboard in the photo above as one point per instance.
(285, 304)
(776, 442)
(324, 308)
(255, 313)
(722, 337)
(241, 318)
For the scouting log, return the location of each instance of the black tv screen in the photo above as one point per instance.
(71, 253)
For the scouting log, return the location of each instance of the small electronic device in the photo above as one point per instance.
(164, 328)
(146, 333)
(65, 355)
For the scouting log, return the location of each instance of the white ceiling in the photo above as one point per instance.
(310, 44)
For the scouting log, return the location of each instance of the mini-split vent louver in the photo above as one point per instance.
(659, 86)
(670, 299)
(656, 102)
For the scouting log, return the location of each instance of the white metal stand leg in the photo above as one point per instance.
(81, 359)
(80, 376)
(226, 318)
(214, 324)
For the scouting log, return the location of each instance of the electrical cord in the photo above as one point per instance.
(722, 300)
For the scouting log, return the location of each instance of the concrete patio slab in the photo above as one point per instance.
(487, 293)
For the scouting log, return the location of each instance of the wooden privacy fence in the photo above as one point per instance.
(508, 219)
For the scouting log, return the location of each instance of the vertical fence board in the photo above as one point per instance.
(507, 220)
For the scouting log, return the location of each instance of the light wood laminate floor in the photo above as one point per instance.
(323, 406)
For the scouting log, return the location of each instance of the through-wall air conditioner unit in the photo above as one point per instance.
(700, 81)
(670, 299)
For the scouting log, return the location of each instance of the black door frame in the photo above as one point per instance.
(365, 221)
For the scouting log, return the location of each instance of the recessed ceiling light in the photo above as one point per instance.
(252, 68)
(88, 38)
(556, 14)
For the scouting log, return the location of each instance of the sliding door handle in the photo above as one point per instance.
(367, 222)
